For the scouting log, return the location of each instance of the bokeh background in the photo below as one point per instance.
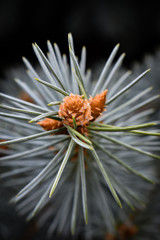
(97, 24)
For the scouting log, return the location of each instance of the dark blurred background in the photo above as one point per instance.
(98, 25)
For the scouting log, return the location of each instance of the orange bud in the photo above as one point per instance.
(97, 104)
(50, 124)
(24, 96)
(82, 110)
(126, 231)
(110, 236)
(4, 146)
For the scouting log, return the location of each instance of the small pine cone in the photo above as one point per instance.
(75, 106)
(50, 124)
(97, 104)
